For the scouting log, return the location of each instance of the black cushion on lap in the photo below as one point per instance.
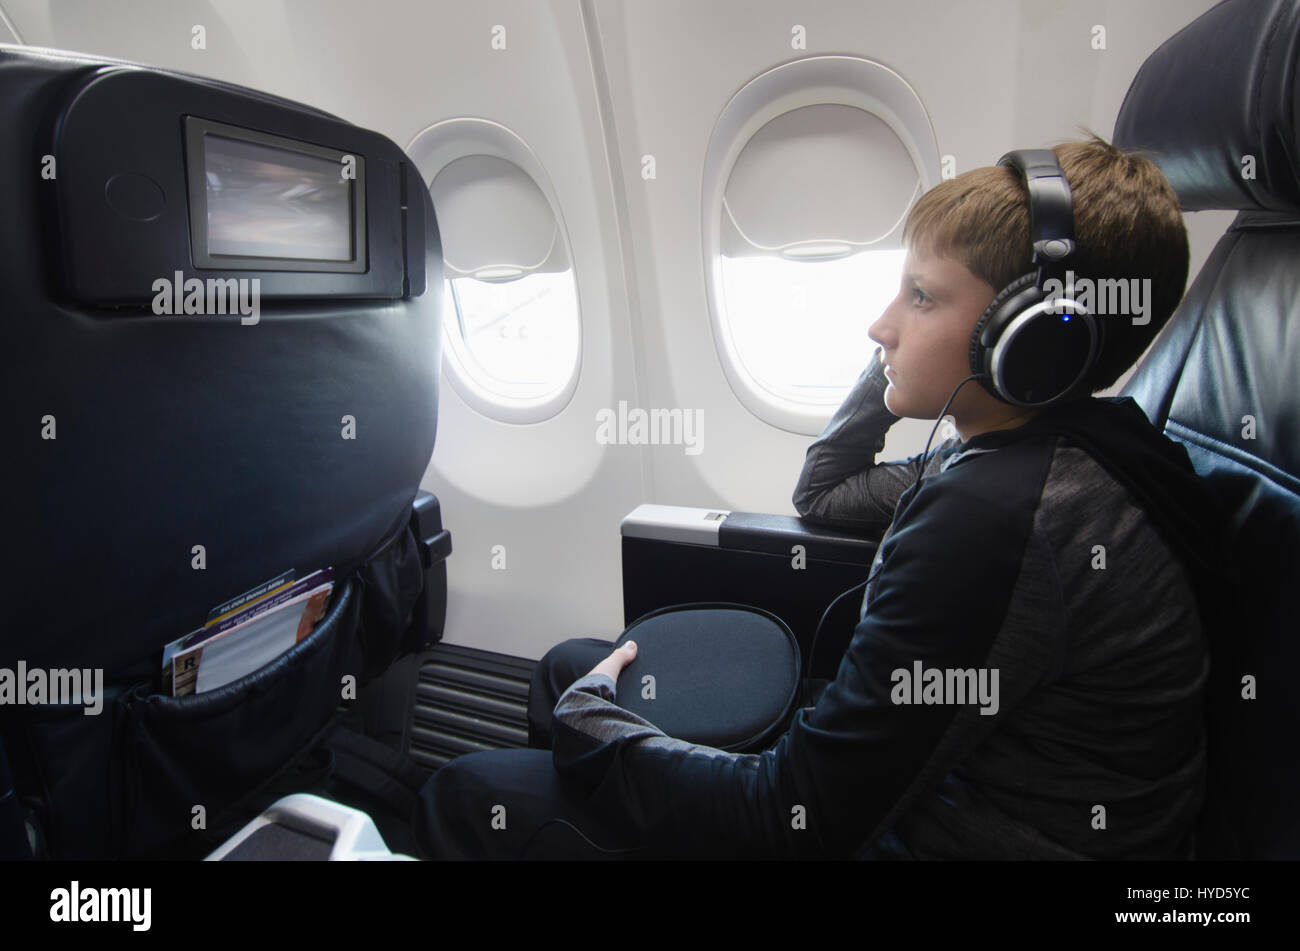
(725, 675)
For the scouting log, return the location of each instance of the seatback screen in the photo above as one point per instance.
(262, 201)
(272, 203)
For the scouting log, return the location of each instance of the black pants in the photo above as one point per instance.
(511, 804)
(555, 673)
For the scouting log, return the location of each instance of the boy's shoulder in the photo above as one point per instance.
(1095, 449)
(984, 491)
(1092, 461)
(1111, 431)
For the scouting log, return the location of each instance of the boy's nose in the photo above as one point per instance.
(881, 333)
(884, 329)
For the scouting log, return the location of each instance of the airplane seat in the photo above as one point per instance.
(222, 320)
(1216, 104)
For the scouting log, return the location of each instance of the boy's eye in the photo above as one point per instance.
(919, 296)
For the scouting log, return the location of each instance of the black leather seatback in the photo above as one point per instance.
(1216, 104)
(176, 431)
(293, 443)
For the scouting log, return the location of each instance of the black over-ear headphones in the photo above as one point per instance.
(1032, 348)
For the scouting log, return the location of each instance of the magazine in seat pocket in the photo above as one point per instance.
(180, 759)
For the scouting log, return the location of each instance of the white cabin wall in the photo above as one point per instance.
(591, 86)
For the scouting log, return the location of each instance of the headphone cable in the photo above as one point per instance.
(920, 472)
(812, 649)
(529, 841)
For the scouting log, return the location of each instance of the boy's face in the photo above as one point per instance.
(925, 333)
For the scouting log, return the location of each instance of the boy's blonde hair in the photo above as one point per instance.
(1127, 224)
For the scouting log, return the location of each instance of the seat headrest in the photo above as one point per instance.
(1220, 89)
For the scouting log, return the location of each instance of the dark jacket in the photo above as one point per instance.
(1051, 565)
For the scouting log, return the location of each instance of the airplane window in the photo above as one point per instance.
(801, 327)
(810, 248)
(511, 319)
(520, 338)
(809, 175)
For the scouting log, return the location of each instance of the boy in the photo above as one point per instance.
(1050, 555)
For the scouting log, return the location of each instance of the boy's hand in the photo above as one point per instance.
(613, 665)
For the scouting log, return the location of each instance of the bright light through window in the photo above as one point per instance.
(520, 337)
(800, 328)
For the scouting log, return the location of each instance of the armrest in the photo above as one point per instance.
(786, 565)
(305, 827)
(779, 534)
(434, 542)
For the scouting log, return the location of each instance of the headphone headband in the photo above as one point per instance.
(1051, 209)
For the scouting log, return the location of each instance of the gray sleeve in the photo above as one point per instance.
(841, 483)
(588, 707)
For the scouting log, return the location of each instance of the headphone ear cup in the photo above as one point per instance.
(979, 352)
